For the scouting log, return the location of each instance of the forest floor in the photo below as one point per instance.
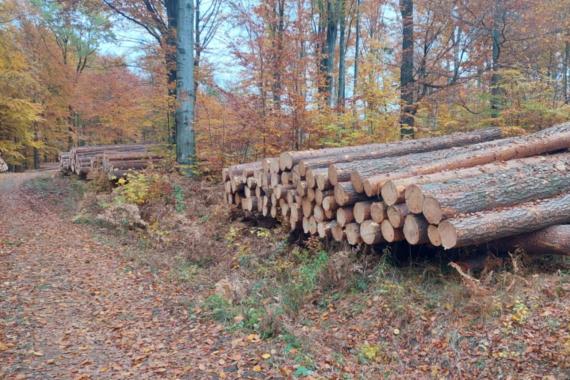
(81, 301)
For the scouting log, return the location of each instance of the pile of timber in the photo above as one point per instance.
(450, 191)
(64, 162)
(115, 160)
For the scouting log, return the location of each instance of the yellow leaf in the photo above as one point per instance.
(257, 368)
(266, 356)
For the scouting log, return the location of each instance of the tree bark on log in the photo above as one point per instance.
(345, 195)
(554, 240)
(393, 191)
(487, 226)
(400, 148)
(438, 201)
(549, 140)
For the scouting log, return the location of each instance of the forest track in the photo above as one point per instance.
(71, 307)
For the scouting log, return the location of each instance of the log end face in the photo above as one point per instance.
(378, 212)
(356, 181)
(389, 193)
(448, 235)
(285, 161)
(433, 235)
(394, 217)
(412, 231)
(388, 231)
(370, 188)
(371, 233)
(340, 195)
(332, 174)
(414, 199)
(432, 210)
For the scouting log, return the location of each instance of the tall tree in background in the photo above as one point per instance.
(185, 95)
(408, 107)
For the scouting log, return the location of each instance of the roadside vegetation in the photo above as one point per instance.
(313, 309)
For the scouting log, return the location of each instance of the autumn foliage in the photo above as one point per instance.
(275, 75)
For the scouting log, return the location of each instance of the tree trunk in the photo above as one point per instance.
(341, 93)
(489, 191)
(407, 106)
(340, 167)
(565, 72)
(170, 60)
(497, 93)
(356, 58)
(371, 232)
(394, 191)
(346, 154)
(554, 240)
(185, 139)
(487, 226)
(548, 140)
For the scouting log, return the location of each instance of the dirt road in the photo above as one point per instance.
(71, 307)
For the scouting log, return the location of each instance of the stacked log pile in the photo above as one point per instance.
(450, 191)
(114, 160)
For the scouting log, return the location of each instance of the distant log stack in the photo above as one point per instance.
(451, 191)
(114, 160)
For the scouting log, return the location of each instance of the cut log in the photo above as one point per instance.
(344, 216)
(397, 215)
(489, 191)
(415, 229)
(554, 240)
(345, 195)
(311, 176)
(319, 213)
(492, 225)
(312, 226)
(362, 152)
(329, 203)
(320, 195)
(307, 206)
(391, 234)
(371, 233)
(285, 179)
(302, 188)
(361, 211)
(311, 194)
(273, 211)
(549, 140)
(325, 229)
(378, 212)
(433, 235)
(338, 232)
(352, 231)
(306, 227)
(394, 190)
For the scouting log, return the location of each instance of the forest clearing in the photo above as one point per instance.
(284, 189)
